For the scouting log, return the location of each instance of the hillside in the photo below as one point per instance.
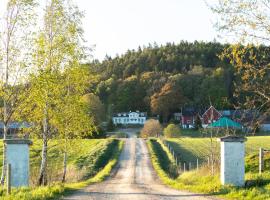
(191, 74)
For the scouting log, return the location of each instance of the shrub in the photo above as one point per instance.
(151, 128)
(172, 131)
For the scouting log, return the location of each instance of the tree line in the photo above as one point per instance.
(163, 79)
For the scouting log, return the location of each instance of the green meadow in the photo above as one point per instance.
(189, 149)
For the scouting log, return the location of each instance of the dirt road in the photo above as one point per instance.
(134, 179)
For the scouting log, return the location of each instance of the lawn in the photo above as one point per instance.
(89, 160)
(257, 186)
(189, 149)
(77, 149)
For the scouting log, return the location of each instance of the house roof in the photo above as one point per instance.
(225, 122)
(16, 125)
(214, 109)
(125, 114)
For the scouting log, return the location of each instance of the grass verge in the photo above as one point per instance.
(257, 186)
(58, 190)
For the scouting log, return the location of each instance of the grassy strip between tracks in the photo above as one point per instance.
(58, 190)
(257, 187)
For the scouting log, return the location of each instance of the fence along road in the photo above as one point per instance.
(134, 179)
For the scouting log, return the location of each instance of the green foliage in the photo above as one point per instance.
(129, 81)
(172, 131)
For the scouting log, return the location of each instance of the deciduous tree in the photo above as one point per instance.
(249, 23)
(151, 128)
(167, 100)
(172, 131)
(15, 46)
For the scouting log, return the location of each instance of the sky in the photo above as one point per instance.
(113, 27)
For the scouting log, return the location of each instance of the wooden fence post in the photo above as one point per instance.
(261, 160)
(9, 179)
(184, 166)
(189, 167)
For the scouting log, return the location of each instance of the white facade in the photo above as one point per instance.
(130, 118)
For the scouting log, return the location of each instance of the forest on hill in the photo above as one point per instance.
(163, 79)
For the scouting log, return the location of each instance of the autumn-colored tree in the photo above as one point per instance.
(151, 128)
(249, 23)
(166, 101)
(172, 131)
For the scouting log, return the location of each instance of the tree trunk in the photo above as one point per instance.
(65, 167)
(4, 162)
(5, 113)
(43, 167)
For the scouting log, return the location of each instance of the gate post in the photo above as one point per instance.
(261, 161)
(232, 160)
(18, 158)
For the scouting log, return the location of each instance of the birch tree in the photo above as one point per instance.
(15, 45)
(57, 47)
(73, 120)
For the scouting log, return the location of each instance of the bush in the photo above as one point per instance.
(151, 128)
(172, 131)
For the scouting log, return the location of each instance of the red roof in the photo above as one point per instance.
(210, 115)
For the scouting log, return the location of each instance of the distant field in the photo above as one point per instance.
(189, 149)
(82, 156)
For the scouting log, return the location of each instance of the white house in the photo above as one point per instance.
(127, 118)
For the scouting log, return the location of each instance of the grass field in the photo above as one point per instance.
(257, 186)
(89, 161)
(189, 149)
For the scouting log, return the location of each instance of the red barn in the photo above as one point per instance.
(210, 115)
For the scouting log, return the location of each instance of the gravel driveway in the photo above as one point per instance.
(133, 179)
